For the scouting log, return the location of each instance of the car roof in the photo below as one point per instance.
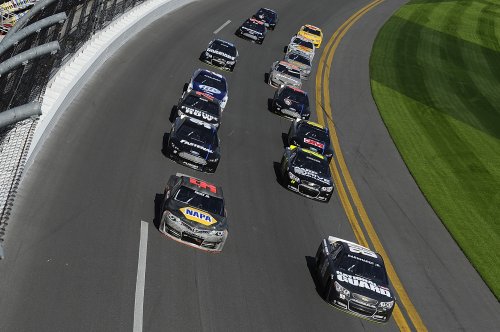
(201, 185)
(373, 257)
(209, 73)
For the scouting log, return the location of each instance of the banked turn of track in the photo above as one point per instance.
(74, 234)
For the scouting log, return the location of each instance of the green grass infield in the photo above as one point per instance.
(435, 76)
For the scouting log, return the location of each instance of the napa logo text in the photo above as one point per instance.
(198, 216)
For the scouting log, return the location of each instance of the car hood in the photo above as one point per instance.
(196, 218)
(222, 54)
(312, 176)
(363, 286)
(214, 92)
(203, 150)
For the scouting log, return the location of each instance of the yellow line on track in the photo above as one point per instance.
(322, 86)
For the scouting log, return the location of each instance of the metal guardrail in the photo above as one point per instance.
(38, 44)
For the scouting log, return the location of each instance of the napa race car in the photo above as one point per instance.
(291, 103)
(303, 45)
(253, 30)
(307, 173)
(193, 143)
(313, 33)
(310, 135)
(284, 73)
(354, 279)
(300, 60)
(210, 83)
(201, 106)
(268, 16)
(193, 213)
(220, 53)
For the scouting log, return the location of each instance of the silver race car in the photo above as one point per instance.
(193, 213)
(300, 60)
(284, 73)
(301, 44)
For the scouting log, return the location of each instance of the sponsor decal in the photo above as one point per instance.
(310, 173)
(199, 114)
(362, 283)
(363, 260)
(183, 141)
(198, 216)
(209, 89)
(221, 53)
(314, 143)
(203, 184)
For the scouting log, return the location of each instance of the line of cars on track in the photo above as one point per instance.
(348, 276)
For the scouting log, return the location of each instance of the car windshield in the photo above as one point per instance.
(266, 13)
(312, 31)
(217, 45)
(364, 268)
(302, 42)
(202, 104)
(254, 26)
(299, 58)
(210, 80)
(199, 133)
(200, 200)
(288, 71)
(307, 161)
(313, 132)
(295, 96)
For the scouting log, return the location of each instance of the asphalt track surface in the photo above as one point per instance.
(73, 239)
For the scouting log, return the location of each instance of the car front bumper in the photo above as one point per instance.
(200, 239)
(359, 309)
(307, 191)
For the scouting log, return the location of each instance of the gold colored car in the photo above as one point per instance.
(313, 33)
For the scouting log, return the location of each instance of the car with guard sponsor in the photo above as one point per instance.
(201, 106)
(211, 83)
(284, 73)
(313, 33)
(193, 143)
(193, 213)
(310, 135)
(306, 172)
(354, 279)
(300, 60)
(268, 16)
(301, 44)
(220, 53)
(291, 103)
(253, 30)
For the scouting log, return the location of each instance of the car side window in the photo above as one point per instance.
(337, 248)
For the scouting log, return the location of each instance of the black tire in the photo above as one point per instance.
(185, 87)
(231, 68)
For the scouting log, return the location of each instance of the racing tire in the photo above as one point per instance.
(231, 68)
(185, 87)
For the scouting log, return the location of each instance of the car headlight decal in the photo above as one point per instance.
(341, 290)
(327, 189)
(293, 177)
(386, 305)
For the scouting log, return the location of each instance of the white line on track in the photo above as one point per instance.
(141, 277)
(222, 27)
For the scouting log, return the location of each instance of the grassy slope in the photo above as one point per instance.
(435, 75)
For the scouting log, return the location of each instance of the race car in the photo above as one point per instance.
(301, 44)
(201, 106)
(307, 173)
(193, 143)
(210, 83)
(310, 135)
(268, 16)
(220, 53)
(284, 73)
(353, 278)
(313, 33)
(291, 103)
(253, 30)
(300, 60)
(193, 213)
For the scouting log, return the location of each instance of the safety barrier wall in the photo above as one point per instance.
(26, 83)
